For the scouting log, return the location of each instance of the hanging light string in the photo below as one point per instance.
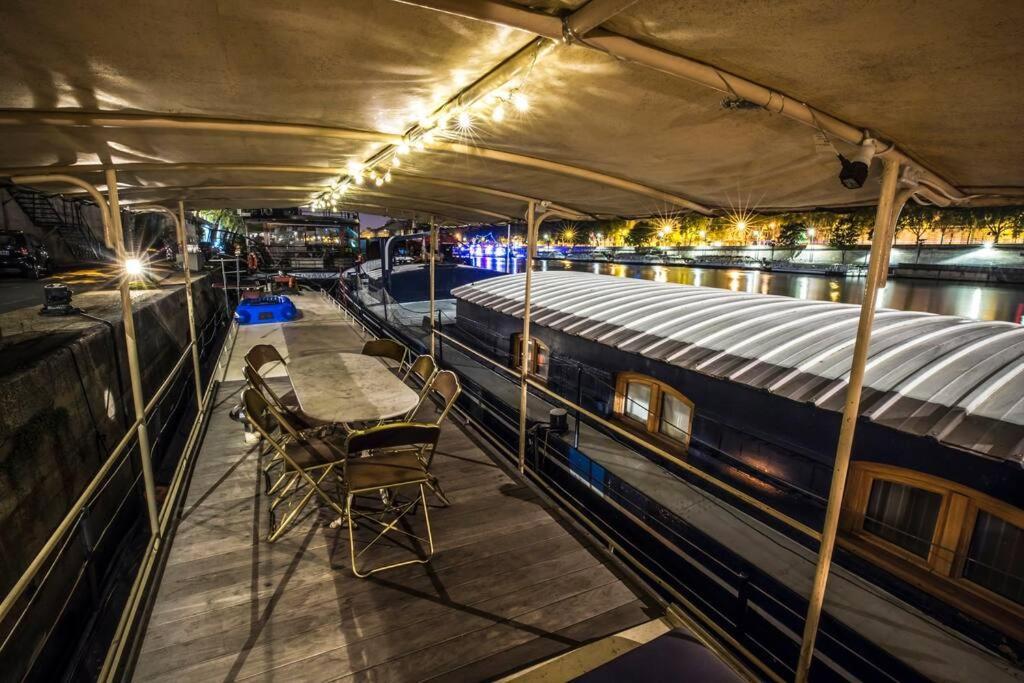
(457, 118)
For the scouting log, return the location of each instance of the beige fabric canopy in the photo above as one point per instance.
(225, 103)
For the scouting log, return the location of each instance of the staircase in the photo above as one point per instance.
(66, 222)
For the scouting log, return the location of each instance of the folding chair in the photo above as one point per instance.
(255, 359)
(421, 370)
(386, 348)
(397, 463)
(445, 385)
(309, 461)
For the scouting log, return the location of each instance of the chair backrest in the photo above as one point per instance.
(414, 436)
(423, 368)
(259, 383)
(258, 413)
(262, 354)
(385, 348)
(446, 385)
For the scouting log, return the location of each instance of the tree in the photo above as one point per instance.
(792, 233)
(844, 234)
(1003, 219)
(640, 235)
(916, 220)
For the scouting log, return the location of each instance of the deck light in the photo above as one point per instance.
(854, 171)
(521, 102)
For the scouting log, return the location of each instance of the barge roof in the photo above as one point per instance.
(956, 380)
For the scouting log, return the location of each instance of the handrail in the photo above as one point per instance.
(728, 488)
(171, 377)
(72, 514)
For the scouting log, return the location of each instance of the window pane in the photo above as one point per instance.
(638, 401)
(903, 515)
(675, 418)
(540, 360)
(995, 559)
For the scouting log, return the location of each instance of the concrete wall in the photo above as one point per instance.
(63, 408)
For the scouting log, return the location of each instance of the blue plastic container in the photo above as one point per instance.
(266, 309)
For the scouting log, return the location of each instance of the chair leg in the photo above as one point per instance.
(422, 501)
(435, 486)
(276, 532)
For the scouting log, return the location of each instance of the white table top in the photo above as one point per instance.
(349, 387)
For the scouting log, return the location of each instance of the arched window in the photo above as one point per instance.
(539, 356)
(647, 404)
(950, 540)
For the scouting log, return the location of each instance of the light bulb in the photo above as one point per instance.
(354, 167)
(133, 266)
(419, 146)
(373, 175)
(428, 137)
(498, 115)
(442, 122)
(521, 102)
(387, 177)
(378, 181)
(425, 122)
(358, 178)
(403, 147)
(465, 120)
(396, 162)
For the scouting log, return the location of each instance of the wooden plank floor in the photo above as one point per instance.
(509, 584)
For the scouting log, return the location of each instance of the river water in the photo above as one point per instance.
(967, 299)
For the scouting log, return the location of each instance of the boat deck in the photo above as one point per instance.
(510, 583)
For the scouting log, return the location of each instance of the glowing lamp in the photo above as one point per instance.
(133, 267)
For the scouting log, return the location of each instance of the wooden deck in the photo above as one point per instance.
(508, 586)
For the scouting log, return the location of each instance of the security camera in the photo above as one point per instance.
(854, 170)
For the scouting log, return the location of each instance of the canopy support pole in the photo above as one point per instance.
(186, 267)
(131, 347)
(433, 262)
(525, 344)
(880, 247)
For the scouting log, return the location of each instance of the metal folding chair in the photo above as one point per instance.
(445, 386)
(389, 349)
(421, 370)
(308, 462)
(396, 462)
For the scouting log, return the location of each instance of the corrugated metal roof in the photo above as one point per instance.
(957, 380)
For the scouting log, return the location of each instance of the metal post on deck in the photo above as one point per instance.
(879, 248)
(186, 266)
(133, 355)
(433, 262)
(524, 342)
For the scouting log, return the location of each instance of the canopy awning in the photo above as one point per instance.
(265, 103)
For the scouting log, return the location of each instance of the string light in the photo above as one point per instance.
(464, 120)
(419, 146)
(378, 181)
(358, 177)
(396, 162)
(387, 176)
(521, 102)
(498, 115)
(354, 168)
(428, 137)
(402, 148)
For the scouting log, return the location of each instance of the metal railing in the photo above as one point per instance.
(754, 617)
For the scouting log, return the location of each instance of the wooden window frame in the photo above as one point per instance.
(941, 574)
(658, 390)
(517, 355)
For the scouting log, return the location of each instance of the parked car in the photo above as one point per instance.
(23, 253)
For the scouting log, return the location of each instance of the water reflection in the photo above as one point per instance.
(982, 302)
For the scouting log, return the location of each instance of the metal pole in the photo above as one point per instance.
(186, 266)
(879, 247)
(433, 261)
(133, 356)
(224, 280)
(524, 345)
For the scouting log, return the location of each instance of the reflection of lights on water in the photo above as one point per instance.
(698, 276)
(752, 282)
(660, 274)
(803, 288)
(596, 268)
(833, 291)
(975, 305)
(734, 280)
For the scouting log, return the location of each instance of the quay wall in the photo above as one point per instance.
(65, 403)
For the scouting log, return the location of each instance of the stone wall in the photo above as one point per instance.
(65, 402)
